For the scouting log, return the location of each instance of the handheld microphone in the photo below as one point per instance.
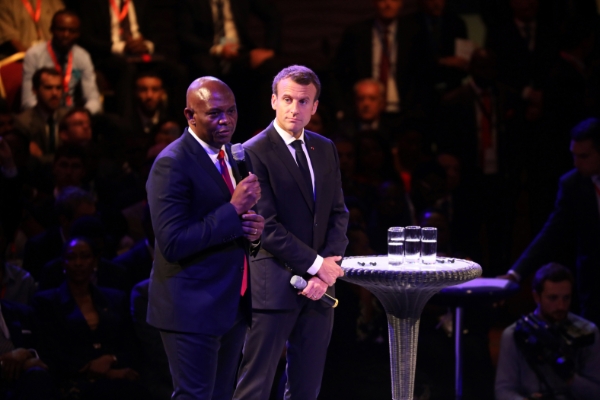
(299, 283)
(237, 150)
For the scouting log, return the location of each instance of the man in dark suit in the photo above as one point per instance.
(198, 294)
(575, 222)
(218, 42)
(384, 48)
(480, 121)
(305, 234)
(40, 123)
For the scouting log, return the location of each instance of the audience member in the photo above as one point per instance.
(71, 61)
(439, 31)
(86, 332)
(40, 123)
(16, 284)
(383, 48)
(71, 203)
(24, 375)
(574, 225)
(24, 23)
(139, 259)
(10, 181)
(550, 353)
(218, 43)
(369, 105)
(106, 273)
(482, 120)
(155, 373)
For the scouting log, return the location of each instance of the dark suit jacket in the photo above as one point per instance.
(574, 221)
(21, 325)
(295, 232)
(66, 341)
(95, 24)
(196, 28)
(137, 262)
(199, 253)
(517, 65)
(354, 59)
(32, 123)
(458, 128)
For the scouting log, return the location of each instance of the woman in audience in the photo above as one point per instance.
(85, 331)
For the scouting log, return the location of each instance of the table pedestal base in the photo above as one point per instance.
(403, 337)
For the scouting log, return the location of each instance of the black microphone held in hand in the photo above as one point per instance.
(299, 283)
(237, 150)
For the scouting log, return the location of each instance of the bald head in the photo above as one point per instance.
(211, 111)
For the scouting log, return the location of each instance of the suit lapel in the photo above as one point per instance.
(198, 154)
(280, 148)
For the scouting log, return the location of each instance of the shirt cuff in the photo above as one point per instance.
(316, 265)
(515, 274)
(118, 47)
(150, 46)
(9, 172)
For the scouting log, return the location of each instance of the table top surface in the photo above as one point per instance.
(380, 263)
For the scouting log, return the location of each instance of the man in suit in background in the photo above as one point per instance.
(574, 223)
(40, 123)
(305, 234)
(198, 296)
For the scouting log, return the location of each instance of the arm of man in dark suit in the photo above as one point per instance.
(177, 235)
(558, 228)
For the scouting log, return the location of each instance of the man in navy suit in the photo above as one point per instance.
(199, 289)
(575, 222)
(305, 234)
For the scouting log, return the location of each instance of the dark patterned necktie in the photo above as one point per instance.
(303, 164)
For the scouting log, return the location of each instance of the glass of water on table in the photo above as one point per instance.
(428, 245)
(395, 245)
(412, 244)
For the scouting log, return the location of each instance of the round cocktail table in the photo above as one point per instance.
(403, 290)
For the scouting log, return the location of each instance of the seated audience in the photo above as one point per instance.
(106, 273)
(550, 353)
(16, 284)
(23, 375)
(40, 123)
(71, 61)
(71, 203)
(86, 332)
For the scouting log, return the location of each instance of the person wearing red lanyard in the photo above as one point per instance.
(62, 54)
(23, 23)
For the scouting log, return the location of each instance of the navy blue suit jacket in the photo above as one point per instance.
(199, 253)
(574, 221)
(295, 231)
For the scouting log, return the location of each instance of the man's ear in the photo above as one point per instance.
(189, 115)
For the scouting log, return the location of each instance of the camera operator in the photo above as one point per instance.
(550, 353)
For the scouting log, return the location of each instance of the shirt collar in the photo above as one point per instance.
(287, 138)
(212, 152)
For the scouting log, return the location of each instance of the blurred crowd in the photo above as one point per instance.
(435, 125)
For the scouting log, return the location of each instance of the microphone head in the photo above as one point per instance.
(298, 282)
(237, 150)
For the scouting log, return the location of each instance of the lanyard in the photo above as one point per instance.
(35, 16)
(66, 75)
(38, 10)
(120, 14)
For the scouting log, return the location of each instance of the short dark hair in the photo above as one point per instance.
(588, 129)
(36, 80)
(63, 126)
(553, 272)
(301, 75)
(90, 242)
(64, 11)
(69, 199)
(148, 74)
